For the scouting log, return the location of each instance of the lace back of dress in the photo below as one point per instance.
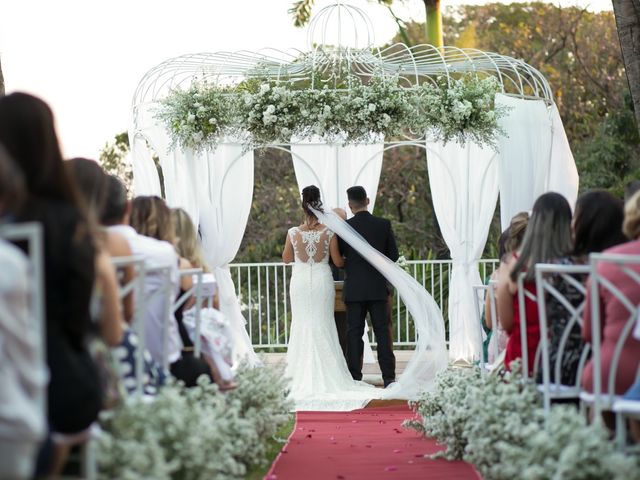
(311, 246)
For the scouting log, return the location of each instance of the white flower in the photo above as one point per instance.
(191, 118)
(270, 109)
(202, 109)
(197, 137)
(371, 107)
(213, 121)
(264, 88)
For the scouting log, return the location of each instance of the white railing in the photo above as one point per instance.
(263, 290)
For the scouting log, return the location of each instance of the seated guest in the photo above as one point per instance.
(74, 395)
(614, 316)
(156, 254)
(510, 242)
(191, 255)
(91, 182)
(22, 376)
(597, 225)
(114, 209)
(151, 218)
(548, 236)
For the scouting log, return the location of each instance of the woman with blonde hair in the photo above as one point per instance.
(188, 247)
(187, 242)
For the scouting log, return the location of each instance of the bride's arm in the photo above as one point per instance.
(287, 254)
(334, 250)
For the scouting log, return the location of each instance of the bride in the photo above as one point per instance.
(320, 379)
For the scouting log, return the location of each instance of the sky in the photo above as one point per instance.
(86, 57)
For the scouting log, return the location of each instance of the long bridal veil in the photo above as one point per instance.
(430, 355)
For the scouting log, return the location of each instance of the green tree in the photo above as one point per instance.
(113, 158)
(627, 14)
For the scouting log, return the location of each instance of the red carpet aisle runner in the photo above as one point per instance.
(363, 444)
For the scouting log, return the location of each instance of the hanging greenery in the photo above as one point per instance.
(263, 111)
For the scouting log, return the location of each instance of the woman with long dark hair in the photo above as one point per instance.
(27, 132)
(596, 225)
(548, 236)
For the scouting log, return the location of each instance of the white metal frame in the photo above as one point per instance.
(413, 65)
(599, 399)
(166, 292)
(33, 234)
(478, 292)
(556, 390)
(135, 287)
(263, 292)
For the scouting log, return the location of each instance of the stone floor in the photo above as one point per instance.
(370, 371)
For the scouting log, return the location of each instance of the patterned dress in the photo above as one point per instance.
(558, 318)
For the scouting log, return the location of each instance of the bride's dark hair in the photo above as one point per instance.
(311, 199)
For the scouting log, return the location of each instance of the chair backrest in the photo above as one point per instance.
(195, 291)
(480, 292)
(629, 266)
(164, 291)
(547, 278)
(135, 286)
(32, 234)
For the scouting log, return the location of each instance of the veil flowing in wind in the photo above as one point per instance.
(430, 355)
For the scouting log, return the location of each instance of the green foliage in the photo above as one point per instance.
(196, 433)
(113, 159)
(611, 158)
(497, 424)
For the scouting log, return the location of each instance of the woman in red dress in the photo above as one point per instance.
(548, 236)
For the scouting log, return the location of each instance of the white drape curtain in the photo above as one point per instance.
(464, 188)
(216, 190)
(225, 203)
(563, 174)
(534, 156)
(333, 168)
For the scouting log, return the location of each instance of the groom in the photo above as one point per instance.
(366, 290)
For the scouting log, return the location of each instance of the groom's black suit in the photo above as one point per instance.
(366, 290)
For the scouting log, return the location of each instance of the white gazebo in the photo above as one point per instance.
(532, 158)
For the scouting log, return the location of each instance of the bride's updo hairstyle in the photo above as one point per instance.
(311, 199)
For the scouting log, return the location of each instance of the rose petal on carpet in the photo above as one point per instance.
(364, 444)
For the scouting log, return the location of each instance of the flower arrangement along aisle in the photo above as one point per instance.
(497, 424)
(196, 433)
(262, 111)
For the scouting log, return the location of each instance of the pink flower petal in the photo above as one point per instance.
(391, 468)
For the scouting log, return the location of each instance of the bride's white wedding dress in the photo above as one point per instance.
(320, 379)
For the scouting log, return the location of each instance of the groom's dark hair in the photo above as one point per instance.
(357, 196)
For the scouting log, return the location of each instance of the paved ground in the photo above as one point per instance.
(371, 372)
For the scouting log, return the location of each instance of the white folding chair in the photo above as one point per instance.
(479, 296)
(31, 233)
(626, 409)
(164, 291)
(630, 266)
(545, 287)
(135, 287)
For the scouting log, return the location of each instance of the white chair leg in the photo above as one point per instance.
(621, 431)
(89, 460)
